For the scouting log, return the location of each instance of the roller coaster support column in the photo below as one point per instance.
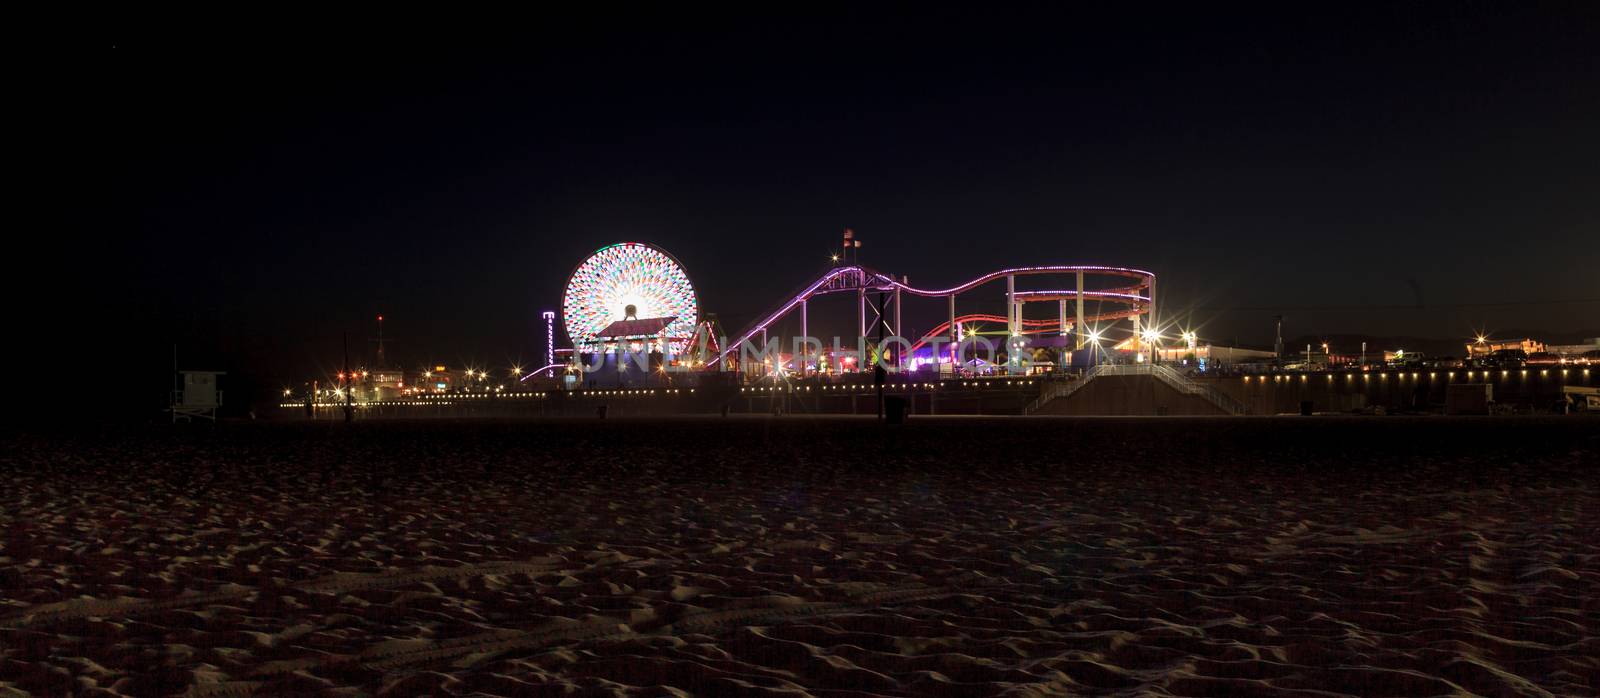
(955, 334)
(1078, 326)
(899, 358)
(1150, 310)
(1062, 357)
(879, 375)
(861, 315)
(800, 364)
(1138, 337)
(1011, 306)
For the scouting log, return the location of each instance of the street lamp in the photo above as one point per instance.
(1152, 338)
(1189, 339)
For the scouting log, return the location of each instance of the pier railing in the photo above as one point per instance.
(1060, 390)
(1182, 384)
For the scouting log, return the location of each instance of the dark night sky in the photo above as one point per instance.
(267, 194)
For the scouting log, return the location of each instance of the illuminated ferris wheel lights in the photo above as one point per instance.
(632, 281)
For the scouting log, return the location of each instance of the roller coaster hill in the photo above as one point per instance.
(1097, 314)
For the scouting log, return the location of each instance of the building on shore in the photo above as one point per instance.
(1483, 348)
(1590, 344)
(1211, 356)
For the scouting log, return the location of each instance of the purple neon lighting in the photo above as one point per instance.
(542, 370)
(1118, 295)
(877, 280)
(1023, 271)
(1040, 326)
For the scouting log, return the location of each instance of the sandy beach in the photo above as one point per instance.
(795, 557)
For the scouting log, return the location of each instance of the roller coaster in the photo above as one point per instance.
(1133, 301)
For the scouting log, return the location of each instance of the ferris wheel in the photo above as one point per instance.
(628, 281)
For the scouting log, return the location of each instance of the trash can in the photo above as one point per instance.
(1305, 408)
(600, 411)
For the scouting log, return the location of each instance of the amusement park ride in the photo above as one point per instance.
(635, 294)
(865, 281)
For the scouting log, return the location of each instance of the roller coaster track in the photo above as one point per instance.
(1028, 326)
(858, 278)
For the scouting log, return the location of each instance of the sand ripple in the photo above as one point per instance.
(806, 557)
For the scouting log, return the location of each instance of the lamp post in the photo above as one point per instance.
(1152, 338)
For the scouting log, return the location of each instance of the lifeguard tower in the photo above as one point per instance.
(196, 396)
